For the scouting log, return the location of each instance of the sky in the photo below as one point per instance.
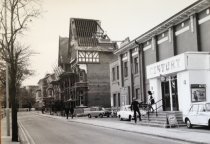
(119, 19)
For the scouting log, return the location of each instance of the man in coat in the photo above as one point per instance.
(135, 106)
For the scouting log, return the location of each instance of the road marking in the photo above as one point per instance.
(25, 137)
(26, 134)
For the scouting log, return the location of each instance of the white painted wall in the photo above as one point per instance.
(155, 87)
(208, 87)
(196, 61)
(183, 91)
(184, 80)
(201, 77)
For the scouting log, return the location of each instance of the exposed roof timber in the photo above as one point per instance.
(177, 18)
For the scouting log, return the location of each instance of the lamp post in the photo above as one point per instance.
(7, 100)
(7, 81)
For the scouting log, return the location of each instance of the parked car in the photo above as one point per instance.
(107, 112)
(199, 114)
(125, 113)
(95, 112)
(114, 111)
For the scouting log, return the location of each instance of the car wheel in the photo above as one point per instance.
(188, 123)
(100, 115)
(89, 115)
(129, 118)
(119, 117)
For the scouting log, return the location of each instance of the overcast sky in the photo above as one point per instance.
(119, 18)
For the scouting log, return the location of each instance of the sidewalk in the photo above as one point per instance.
(185, 135)
(4, 138)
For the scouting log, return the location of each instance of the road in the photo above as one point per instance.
(45, 130)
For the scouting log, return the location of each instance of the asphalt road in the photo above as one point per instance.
(44, 130)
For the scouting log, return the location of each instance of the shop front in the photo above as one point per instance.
(181, 80)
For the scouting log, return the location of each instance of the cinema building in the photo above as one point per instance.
(172, 60)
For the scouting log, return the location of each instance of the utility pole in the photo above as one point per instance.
(7, 78)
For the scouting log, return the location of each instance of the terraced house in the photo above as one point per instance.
(172, 60)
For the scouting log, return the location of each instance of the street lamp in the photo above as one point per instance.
(7, 99)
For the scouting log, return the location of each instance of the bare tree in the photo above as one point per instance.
(23, 71)
(14, 18)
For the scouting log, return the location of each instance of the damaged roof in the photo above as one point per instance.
(89, 35)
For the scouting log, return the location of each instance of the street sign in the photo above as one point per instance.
(172, 121)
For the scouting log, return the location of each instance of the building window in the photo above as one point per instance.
(118, 99)
(113, 74)
(136, 65)
(114, 100)
(117, 72)
(88, 57)
(125, 69)
(138, 93)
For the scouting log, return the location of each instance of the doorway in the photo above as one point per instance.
(169, 94)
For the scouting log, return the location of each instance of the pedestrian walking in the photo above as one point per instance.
(151, 101)
(67, 112)
(72, 112)
(43, 109)
(135, 107)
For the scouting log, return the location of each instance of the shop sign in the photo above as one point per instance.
(172, 121)
(167, 66)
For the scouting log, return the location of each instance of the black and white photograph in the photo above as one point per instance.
(198, 92)
(105, 71)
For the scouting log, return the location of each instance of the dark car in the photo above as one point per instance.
(107, 112)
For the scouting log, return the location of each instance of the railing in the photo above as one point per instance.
(156, 108)
(147, 107)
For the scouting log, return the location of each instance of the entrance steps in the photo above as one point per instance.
(161, 120)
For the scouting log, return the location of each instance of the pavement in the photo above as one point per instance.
(4, 138)
(181, 134)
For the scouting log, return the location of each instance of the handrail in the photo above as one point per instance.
(148, 106)
(156, 108)
(145, 107)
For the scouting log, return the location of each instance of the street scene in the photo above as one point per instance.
(56, 131)
(75, 72)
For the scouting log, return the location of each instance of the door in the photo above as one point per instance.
(169, 90)
(165, 95)
(174, 93)
(192, 115)
(202, 117)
